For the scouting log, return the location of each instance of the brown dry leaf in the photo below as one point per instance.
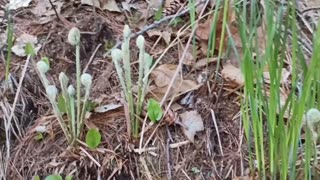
(191, 124)
(232, 74)
(203, 31)
(203, 62)
(162, 76)
(189, 59)
(110, 5)
(312, 3)
(164, 34)
(106, 108)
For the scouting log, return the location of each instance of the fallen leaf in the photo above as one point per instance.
(164, 34)
(102, 81)
(154, 32)
(203, 62)
(203, 30)
(232, 74)
(192, 123)
(19, 47)
(176, 107)
(162, 77)
(16, 4)
(110, 5)
(189, 58)
(106, 108)
(41, 129)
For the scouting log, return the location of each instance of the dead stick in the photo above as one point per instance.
(55, 11)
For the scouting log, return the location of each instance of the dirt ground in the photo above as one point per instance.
(168, 155)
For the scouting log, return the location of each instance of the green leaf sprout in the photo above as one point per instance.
(154, 110)
(93, 138)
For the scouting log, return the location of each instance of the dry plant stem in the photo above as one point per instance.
(17, 96)
(91, 58)
(8, 123)
(90, 157)
(54, 9)
(217, 130)
(169, 176)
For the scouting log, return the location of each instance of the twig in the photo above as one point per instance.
(90, 157)
(113, 173)
(55, 11)
(316, 8)
(91, 58)
(147, 171)
(169, 176)
(8, 123)
(138, 150)
(217, 130)
(176, 145)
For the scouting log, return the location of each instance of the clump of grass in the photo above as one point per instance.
(274, 139)
(121, 60)
(71, 97)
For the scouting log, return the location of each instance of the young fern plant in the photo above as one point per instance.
(121, 60)
(72, 97)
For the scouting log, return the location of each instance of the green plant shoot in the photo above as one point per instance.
(93, 138)
(154, 110)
